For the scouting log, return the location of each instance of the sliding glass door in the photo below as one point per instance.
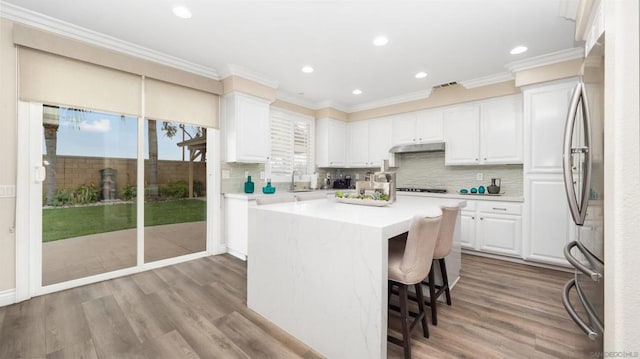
(100, 174)
(175, 206)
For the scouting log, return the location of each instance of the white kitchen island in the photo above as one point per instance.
(318, 269)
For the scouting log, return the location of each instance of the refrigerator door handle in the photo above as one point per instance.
(578, 211)
(593, 335)
(595, 276)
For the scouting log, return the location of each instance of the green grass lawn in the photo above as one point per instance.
(61, 223)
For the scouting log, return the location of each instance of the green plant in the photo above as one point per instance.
(178, 189)
(86, 194)
(63, 197)
(129, 192)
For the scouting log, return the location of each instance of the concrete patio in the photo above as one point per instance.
(83, 256)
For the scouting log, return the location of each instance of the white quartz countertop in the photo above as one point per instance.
(253, 196)
(474, 197)
(399, 212)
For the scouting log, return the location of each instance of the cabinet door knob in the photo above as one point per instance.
(476, 159)
(473, 217)
(485, 158)
(481, 218)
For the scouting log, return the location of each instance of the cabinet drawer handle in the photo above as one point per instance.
(499, 209)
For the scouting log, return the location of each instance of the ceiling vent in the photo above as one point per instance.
(446, 84)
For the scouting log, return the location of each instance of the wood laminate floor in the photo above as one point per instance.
(198, 309)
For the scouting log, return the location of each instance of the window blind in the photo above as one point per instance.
(291, 145)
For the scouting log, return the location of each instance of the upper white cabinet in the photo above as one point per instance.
(501, 130)
(421, 126)
(462, 135)
(488, 132)
(545, 113)
(358, 143)
(245, 126)
(331, 143)
(379, 141)
(368, 142)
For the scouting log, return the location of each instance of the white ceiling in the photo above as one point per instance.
(451, 40)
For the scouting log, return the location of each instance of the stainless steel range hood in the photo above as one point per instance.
(418, 147)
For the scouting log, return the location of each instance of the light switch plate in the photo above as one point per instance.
(262, 175)
(7, 191)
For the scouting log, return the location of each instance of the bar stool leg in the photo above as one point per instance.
(404, 314)
(445, 280)
(432, 297)
(420, 300)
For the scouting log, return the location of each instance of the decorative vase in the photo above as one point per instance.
(481, 189)
(268, 189)
(249, 186)
(494, 187)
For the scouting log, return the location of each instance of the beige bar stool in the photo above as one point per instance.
(409, 264)
(443, 248)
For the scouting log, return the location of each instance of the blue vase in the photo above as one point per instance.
(249, 186)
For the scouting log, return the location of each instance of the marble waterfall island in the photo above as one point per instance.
(318, 269)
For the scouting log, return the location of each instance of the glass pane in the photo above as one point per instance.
(175, 207)
(89, 212)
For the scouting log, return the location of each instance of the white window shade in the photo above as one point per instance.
(58, 80)
(171, 102)
(291, 145)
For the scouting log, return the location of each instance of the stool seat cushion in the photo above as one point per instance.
(410, 260)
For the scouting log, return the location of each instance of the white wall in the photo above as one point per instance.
(622, 177)
(8, 148)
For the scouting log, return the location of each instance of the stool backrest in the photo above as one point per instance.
(447, 228)
(418, 252)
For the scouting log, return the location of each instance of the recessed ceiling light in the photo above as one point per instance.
(307, 69)
(380, 41)
(518, 50)
(356, 92)
(421, 75)
(182, 12)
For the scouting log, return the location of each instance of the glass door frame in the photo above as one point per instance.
(30, 174)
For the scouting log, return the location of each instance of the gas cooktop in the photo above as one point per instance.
(417, 189)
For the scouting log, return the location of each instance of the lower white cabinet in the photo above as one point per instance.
(499, 227)
(236, 224)
(549, 226)
(492, 226)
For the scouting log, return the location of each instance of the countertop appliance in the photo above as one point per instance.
(418, 189)
(583, 167)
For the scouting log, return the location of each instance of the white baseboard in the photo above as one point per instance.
(517, 260)
(7, 297)
(237, 254)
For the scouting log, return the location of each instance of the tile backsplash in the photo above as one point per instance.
(427, 169)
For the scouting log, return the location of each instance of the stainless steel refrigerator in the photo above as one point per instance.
(583, 159)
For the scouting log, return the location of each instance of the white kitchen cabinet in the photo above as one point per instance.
(493, 227)
(236, 219)
(500, 228)
(358, 144)
(501, 130)
(416, 127)
(331, 144)
(549, 226)
(246, 130)
(468, 226)
(545, 113)
(380, 141)
(487, 132)
(462, 135)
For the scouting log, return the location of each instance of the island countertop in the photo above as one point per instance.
(318, 269)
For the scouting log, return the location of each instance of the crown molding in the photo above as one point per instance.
(546, 59)
(296, 100)
(487, 80)
(63, 28)
(418, 95)
(240, 71)
(334, 105)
